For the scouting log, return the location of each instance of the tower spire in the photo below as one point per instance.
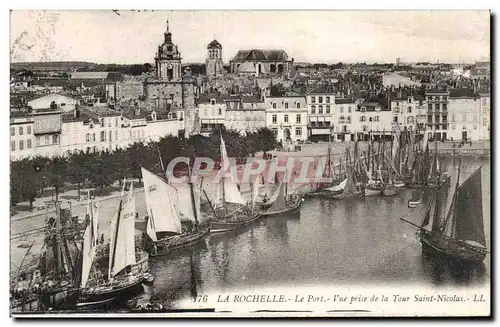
(168, 28)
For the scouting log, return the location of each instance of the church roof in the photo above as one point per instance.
(214, 44)
(261, 55)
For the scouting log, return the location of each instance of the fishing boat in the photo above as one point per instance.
(283, 203)
(167, 206)
(227, 193)
(52, 282)
(390, 187)
(455, 234)
(126, 267)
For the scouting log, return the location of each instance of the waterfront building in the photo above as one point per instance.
(321, 113)
(287, 117)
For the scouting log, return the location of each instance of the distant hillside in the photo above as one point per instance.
(51, 66)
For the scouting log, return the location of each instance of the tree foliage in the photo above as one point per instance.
(29, 177)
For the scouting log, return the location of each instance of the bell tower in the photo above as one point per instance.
(168, 59)
(214, 64)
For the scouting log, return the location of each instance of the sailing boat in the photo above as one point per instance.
(126, 268)
(228, 192)
(457, 235)
(350, 189)
(58, 275)
(283, 203)
(166, 206)
(390, 188)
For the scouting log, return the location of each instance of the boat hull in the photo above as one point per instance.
(59, 299)
(463, 256)
(372, 191)
(165, 246)
(89, 298)
(292, 207)
(224, 226)
(390, 191)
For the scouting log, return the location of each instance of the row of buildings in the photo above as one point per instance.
(59, 125)
(317, 106)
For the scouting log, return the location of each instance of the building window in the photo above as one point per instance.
(313, 109)
(110, 134)
(370, 119)
(429, 106)
(327, 109)
(298, 131)
(55, 139)
(341, 109)
(220, 111)
(275, 119)
(12, 131)
(286, 105)
(320, 109)
(485, 122)
(348, 119)
(313, 99)
(38, 141)
(103, 136)
(21, 130)
(445, 98)
(320, 99)
(349, 109)
(47, 140)
(445, 106)
(298, 105)
(438, 106)
(28, 144)
(327, 99)
(274, 105)
(409, 109)
(436, 117)
(429, 118)
(93, 137)
(445, 118)
(212, 101)
(395, 119)
(286, 118)
(116, 122)
(29, 130)
(87, 137)
(297, 119)
(21, 145)
(12, 145)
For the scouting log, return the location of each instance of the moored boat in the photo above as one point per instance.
(455, 234)
(284, 203)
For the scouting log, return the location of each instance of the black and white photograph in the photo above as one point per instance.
(222, 163)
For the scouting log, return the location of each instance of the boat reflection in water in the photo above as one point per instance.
(439, 273)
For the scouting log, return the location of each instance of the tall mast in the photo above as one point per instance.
(451, 210)
(222, 179)
(115, 236)
(193, 203)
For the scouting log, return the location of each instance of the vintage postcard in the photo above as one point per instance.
(250, 163)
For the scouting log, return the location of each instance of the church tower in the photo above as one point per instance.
(214, 64)
(168, 60)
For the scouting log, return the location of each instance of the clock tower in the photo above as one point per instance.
(168, 60)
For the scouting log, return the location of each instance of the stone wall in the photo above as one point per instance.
(130, 88)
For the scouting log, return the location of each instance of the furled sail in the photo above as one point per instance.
(160, 204)
(90, 238)
(469, 210)
(255, 189)
(231, 191)
(122, 245)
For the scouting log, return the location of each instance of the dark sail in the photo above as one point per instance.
(427, 217)
(280, 203)
(440, 212)
(469, 210)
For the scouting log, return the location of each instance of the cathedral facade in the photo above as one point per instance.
(214, 63)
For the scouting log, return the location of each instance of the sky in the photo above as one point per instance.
(128, 37)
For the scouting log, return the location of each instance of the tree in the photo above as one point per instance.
(78, 170)
(140, 155)
(100, 170)
(266, 140)
(56, 173)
